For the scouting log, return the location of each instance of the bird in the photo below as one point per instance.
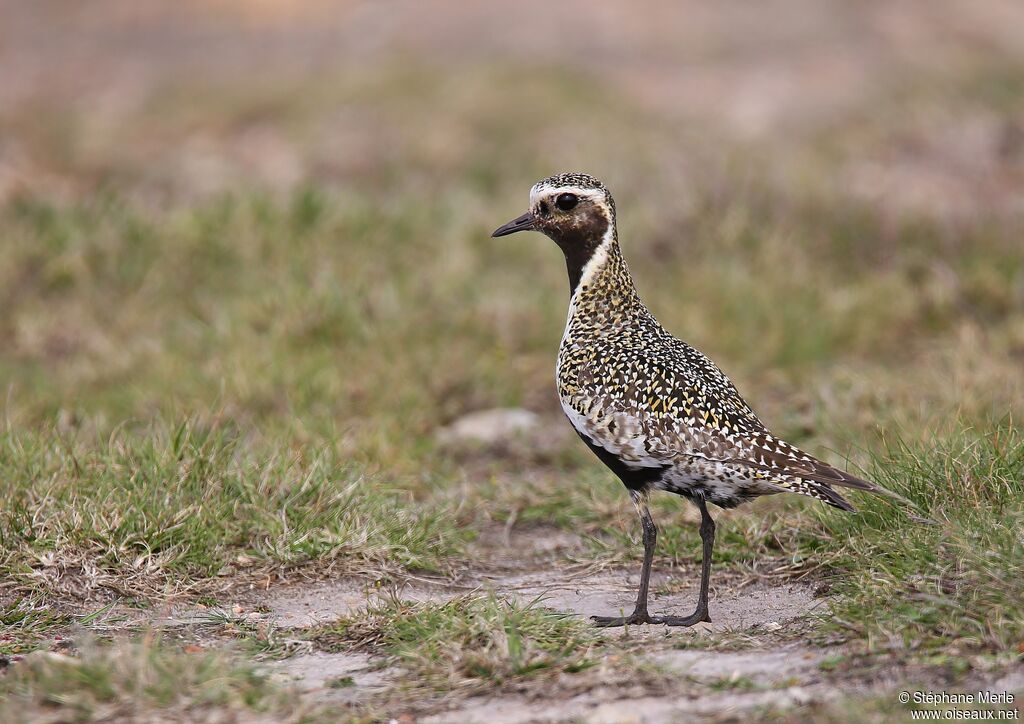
(655, 410)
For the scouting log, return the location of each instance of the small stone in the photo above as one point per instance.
(488, 426)
(51, 657)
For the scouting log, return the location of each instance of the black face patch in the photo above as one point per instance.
(578, 235)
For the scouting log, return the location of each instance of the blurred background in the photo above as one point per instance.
(277, 213)
(251, 313)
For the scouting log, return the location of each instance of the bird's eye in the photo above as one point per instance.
(566, 201)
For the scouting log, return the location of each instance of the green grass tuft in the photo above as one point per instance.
(917, 585)
(182, 506)
(24, 622)
(472, 640)
(143, 682)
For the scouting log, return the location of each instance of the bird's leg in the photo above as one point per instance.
(639, 614)
(707, 536)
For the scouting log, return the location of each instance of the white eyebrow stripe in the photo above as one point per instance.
(538, 189)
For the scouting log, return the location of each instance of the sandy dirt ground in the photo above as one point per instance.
(779, 670)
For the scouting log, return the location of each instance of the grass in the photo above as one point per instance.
(947, 586)
(145, 681)
(25, 622)
(469, 643)
(174, 509)
(734, 683)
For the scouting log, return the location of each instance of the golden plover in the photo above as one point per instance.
(655, 410)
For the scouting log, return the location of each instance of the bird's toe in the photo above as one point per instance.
(633, 619)
(682, 621)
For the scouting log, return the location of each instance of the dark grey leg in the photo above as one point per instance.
(707, 536)
(639, 614)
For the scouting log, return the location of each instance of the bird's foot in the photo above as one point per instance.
(638, 617)
(684, 621)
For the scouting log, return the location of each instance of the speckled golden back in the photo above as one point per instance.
(658, 410)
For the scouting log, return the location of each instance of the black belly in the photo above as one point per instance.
(639, 479)
(646, 479)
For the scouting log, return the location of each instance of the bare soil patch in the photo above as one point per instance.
(762, 673)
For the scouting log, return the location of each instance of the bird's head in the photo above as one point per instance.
(566, 207)
(573, 209)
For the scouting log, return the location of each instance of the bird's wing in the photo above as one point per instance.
(770, 454)
(692, 410)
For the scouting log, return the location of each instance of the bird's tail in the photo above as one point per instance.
(847, 480)
(800, 473)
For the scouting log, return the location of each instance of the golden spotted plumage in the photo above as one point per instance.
(655, 410)
(632, 388)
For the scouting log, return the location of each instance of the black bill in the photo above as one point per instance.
(521, 223)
